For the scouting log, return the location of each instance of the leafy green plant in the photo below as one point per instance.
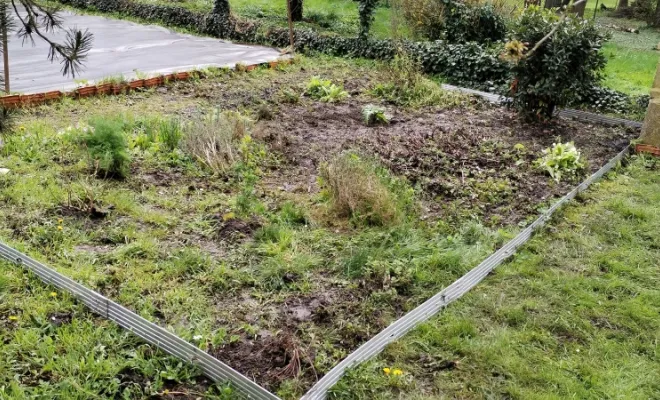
(364, 191)
(558, 70)
(325, 90)
(107, 147)
(374, 115)
(561, 160)
(170, 133)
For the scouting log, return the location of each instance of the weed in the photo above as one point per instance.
(404, 84)
(107, 147)
(325, 90)
(561, 160)
(360, 189)
(170, 133)
(115, 80)
(215, 140)
(374, 115)
(289, 97)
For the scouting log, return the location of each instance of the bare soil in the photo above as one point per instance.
(462, 160)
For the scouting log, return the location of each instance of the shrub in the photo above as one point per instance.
(374, 115)
(365, 192)
(567, 64)
(215, 140)
(561, 160)
(454, 21)
(424, 17)
(325, 90)
(108, 148)
(480, 23)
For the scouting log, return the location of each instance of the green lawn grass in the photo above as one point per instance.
(52, 347)
(573, 315)
(336, 16)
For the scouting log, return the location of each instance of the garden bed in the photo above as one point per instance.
(255, 265)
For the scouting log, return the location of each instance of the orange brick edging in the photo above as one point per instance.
(646, 148)
(23, 100)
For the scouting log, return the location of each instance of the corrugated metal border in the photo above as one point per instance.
(148, 331)
(451, 293)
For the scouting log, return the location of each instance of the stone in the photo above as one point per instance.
(4, 171)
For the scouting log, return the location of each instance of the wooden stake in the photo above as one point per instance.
(291, 40)
(5, 56)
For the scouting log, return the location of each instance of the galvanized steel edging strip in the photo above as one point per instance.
(452, 292)
(148, 331)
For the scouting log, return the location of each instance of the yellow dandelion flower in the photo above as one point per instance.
(386, 370)
(13, 318)
(22, 128)
(53, 294)
(60, 221)
(59, 227)
(397, 372)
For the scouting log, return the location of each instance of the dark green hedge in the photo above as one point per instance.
(466, 64)
(469, 63)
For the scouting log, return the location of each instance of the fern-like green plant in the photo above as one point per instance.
(108, 148)
(325, 90)
(315, 87)
(561, 160)
(374, 115)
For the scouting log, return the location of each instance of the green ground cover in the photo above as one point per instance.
(573, 315)
(52, 347)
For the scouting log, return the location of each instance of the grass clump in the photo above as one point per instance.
(215, 141)
(362, 190)
(107, 147)
(170, 133)
(374, 115)
(561, 160)
(405, 85)
(324, 90)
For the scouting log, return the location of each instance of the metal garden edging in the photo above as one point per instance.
(148, 331)
(584, 116)
(451, 293)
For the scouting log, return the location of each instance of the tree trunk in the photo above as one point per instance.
(297, 10)
(656, 17)
(622, 4)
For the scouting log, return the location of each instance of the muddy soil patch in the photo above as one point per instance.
(466, 161)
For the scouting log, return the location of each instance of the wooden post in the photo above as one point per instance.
(5, 56)
(291, 39)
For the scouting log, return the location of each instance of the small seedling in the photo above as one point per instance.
(325, 90)
(374, 115)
